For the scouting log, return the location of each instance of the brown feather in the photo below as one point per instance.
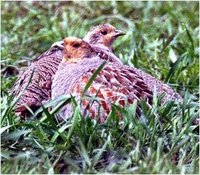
(38, 91)
(115, 84)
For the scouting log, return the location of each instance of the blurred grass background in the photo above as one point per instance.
(162, 38)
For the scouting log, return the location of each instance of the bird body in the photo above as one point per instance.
(161, 88)
(105, 54)
(116, 83)
(44, 67)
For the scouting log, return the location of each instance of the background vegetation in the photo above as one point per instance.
(161, 38)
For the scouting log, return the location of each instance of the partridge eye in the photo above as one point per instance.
(76, 45)
(104, 32)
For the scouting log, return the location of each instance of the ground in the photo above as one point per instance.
(161, 39)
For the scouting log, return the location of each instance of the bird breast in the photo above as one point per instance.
(67, 75)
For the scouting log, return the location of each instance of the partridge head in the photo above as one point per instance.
(76, 49)
(104, 35)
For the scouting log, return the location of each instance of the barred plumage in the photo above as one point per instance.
(116, 83)
(45, 67)
(161, 88)
(38, 91)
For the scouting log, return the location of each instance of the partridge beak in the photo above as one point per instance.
(119, 33)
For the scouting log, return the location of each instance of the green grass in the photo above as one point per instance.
(163, 140)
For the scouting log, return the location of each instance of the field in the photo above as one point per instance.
(162, 38)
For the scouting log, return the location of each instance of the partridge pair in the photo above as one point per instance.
(34, 84)
(116, 83)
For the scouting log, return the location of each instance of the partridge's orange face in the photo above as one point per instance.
(75, 49)
(103, 34)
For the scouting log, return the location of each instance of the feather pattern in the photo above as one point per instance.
(45, 66)
(38, 90)
(114, 84)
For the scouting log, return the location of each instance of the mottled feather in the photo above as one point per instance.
(38, 90)
(115, 84)
(44, 68)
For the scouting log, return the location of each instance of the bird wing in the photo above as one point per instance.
(53, 50)
(161, 88)
(41, 70)
(106, 54)
(151, 82)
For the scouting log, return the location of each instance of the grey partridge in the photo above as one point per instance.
(101, 38)
(115, 84)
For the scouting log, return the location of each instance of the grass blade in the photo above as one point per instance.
(93, 77)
